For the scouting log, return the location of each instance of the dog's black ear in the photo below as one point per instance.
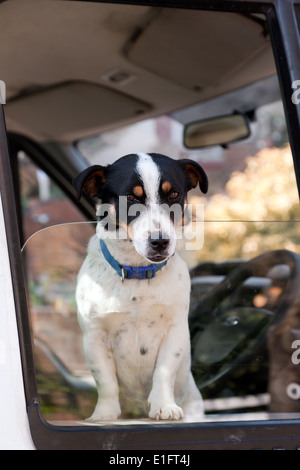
(195, 175)
(90, 180)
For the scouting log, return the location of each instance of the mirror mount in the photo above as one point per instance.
(220, 130)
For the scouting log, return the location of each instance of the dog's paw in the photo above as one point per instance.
(169, 411)
(106, 410)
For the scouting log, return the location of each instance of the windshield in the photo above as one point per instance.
(242, 251)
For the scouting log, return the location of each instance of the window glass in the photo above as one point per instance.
(52, 259)
(43, 203)
(243, 255)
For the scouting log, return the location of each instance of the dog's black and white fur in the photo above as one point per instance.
(135, 332)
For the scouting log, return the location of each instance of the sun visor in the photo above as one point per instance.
(69, 111)
(185, 47)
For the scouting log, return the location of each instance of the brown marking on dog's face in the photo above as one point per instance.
(166, 186)
(138, 191)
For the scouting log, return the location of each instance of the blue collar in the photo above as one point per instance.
(131, 272)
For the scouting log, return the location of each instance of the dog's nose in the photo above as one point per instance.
(159, 244)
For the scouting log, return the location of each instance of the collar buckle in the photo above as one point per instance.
(141, 272)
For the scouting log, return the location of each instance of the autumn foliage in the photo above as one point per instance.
(258, 211)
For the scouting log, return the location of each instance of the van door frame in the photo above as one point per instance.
(226, 435)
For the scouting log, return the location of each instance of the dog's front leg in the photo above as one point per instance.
(162, 397)
(101, 363)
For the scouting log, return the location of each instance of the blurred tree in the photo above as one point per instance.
(258, 211)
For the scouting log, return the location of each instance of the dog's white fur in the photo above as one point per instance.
(153, 219)
(135, 333)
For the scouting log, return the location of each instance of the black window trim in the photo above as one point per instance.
(214, 435)
(43, 159)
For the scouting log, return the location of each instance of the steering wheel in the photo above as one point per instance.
(225, 332)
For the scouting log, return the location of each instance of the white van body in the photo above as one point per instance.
(14, 430)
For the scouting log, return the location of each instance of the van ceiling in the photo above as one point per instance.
(73, 69)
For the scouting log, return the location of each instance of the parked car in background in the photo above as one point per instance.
(86, 82)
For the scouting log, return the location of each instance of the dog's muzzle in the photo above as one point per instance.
(158, 248)
(160, 244)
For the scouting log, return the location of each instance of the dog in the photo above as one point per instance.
(133, 289)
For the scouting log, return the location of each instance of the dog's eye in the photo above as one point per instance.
(173, 195)
(131, 198)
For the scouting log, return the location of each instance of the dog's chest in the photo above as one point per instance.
(136, 336)
(134, 342)
(100, 290)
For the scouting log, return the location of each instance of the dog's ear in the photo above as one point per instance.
(194, 174)
(90, 180)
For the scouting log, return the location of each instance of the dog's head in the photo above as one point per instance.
(142, 198)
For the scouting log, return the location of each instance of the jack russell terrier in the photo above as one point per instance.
(133, 289)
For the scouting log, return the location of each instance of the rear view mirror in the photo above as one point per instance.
(220, 130)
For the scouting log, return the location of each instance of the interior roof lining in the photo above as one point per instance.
(53, 53)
